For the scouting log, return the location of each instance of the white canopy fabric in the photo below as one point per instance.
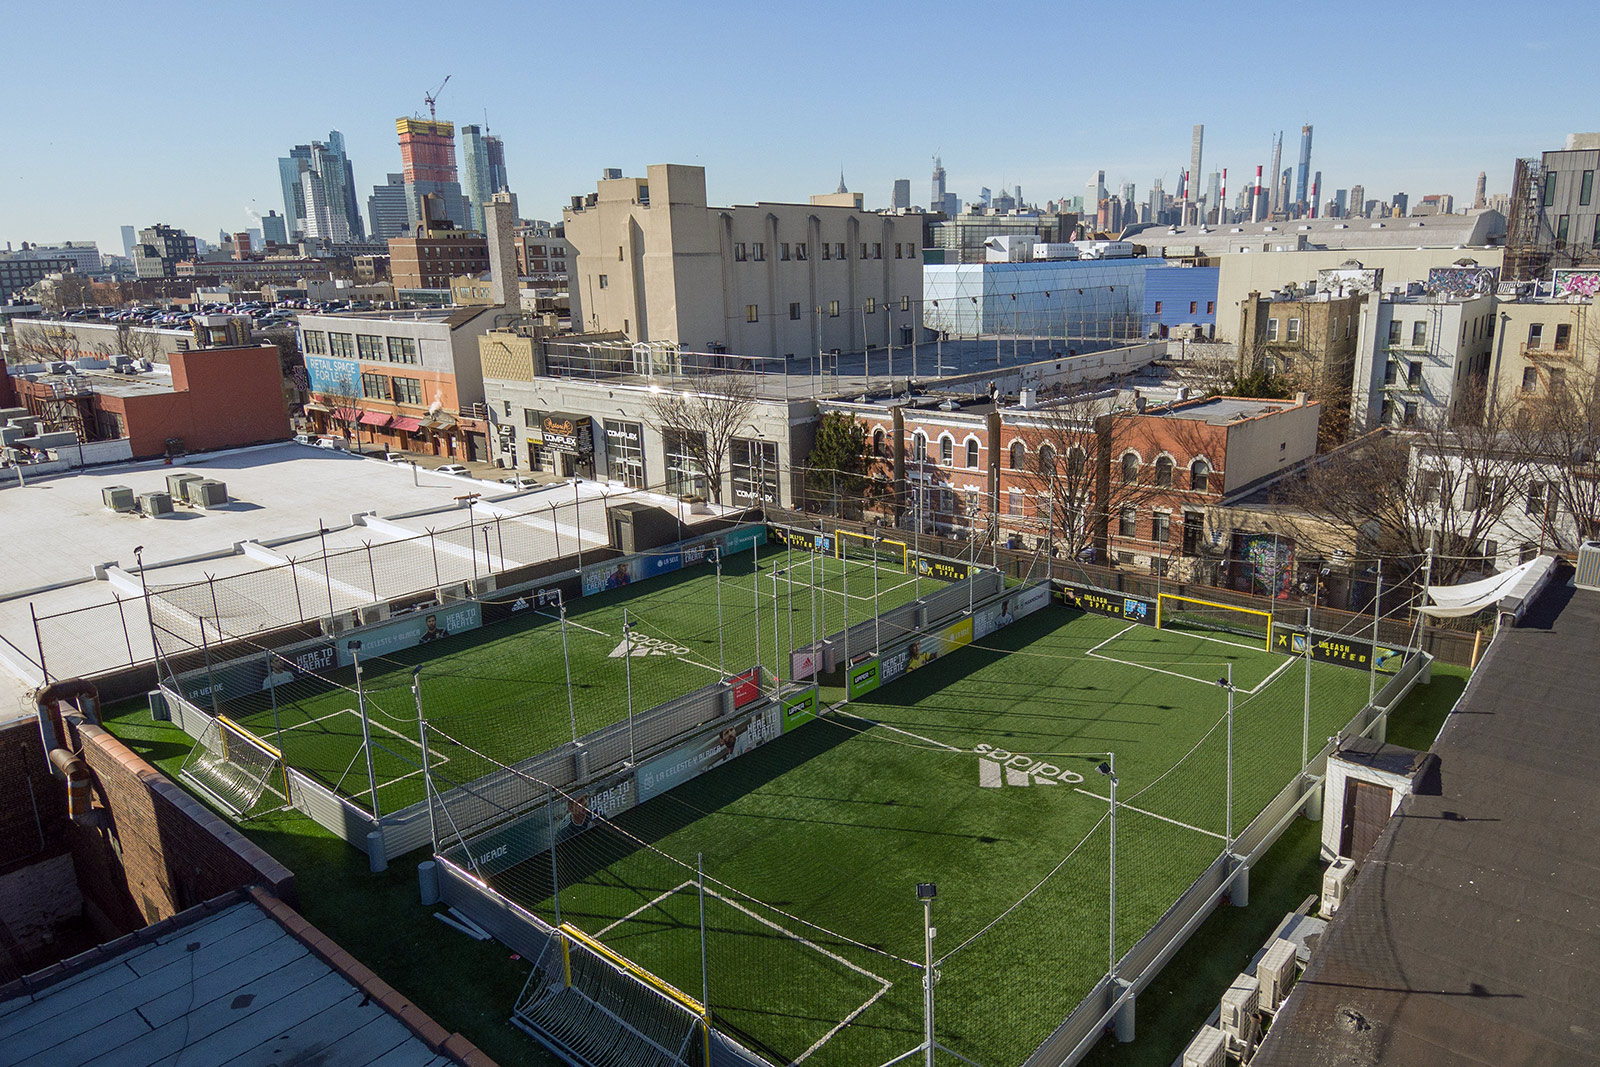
(1453, 601)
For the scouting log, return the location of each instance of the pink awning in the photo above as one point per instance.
(404, 425)
(346, 414)
(375, 418)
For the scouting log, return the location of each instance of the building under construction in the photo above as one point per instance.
(1555, 217)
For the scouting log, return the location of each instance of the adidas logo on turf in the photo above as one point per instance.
(647, 646)
(998, 768)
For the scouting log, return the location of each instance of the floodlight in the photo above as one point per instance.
(927, 890)
(1104, 768)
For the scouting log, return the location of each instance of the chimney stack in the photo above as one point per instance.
(498, 223)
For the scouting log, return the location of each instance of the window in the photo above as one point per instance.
(533, 420)
(738, 252)
(905, 303)
(1558, 379)
(1272, 329)
(827, 250)
(972, 453)
(752, 313)
(316, 343)
(919, 447)
(1164, 472)
(1563, 336)
(375, 386)
(1019, 456)
(1199, 475)
(794, 311)
(838, 250)
(863, 250)
(1408, 416)
(1596, 240)
(877, 250)
(1530, 379)
(1586, 189)
(1158, 307)
(1194, 305)
(870, 307)
(1047, 459)
(1076, 458)
(911, 251)
(1211, 307)
(1013, 502)
(754, 465)
(685, 475)
(800, 251)
(370, 347)
(783, 251)
(1428, 487)
(1535, 504)
(619, 253)
(1535, 334)
(342, 345)
(947, 451)
(897, 249)
(605, 282)
(1160, 527)
(833, 309)
(1491, 553)
(1563, 225)
(408, 391)
(1127, 523)
(880, 444)
(1294, 330)
(758, 252)
(1130, 468)
(1414, 374)
(1419, 334)
(625, 452)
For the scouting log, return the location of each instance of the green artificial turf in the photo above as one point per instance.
(503, 691)
(812, 847)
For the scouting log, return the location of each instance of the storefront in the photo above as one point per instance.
(570, 441)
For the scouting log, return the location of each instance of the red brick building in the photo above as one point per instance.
(201, 400)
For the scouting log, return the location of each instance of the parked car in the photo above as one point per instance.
(330, 442)
(450, 468)
(303, 439)
(396, 457)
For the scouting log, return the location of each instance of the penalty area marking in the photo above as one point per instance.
(641, 909)
(1097, 654)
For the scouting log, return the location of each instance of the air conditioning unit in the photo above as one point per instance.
(175, 483)
(155, 503)
(1276, 972)
(118, 498)
(1588, 576)
(1208, 1049)
(1238, 1015)
(457, 591)
(206, 492)
(1336, 883)
(481, 586)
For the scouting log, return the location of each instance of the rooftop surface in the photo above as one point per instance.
(230, 987)
(1472, 932)
(1222, 410)
(1478, 228)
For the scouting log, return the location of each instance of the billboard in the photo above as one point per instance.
(516, 841)
(803, 664)
(422, 628)
(545, 598)
(1115, 605)
(861, 679)
(943, 569)
(924, 650)
(1011, 608)
(341, 377)
(804, 540)
(694, 758)
(572, 434)
(1335, 649)
(230, 681)
(799, 709)
(746, 686)
(616, 573)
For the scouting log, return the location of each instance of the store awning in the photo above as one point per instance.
(402, 424)
(314, 406)
(347, 414)
(376, 418)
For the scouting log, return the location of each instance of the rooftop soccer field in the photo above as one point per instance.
(978, 772)
(521, 687)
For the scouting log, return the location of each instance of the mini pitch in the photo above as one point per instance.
(503, 689)
(978, 772)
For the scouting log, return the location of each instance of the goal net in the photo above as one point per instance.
(1174, 612)
(232, 766)
(865, 548)
(590, 1005)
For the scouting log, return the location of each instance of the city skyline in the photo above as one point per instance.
(87, 176)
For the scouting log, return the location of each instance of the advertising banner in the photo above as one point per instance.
(741, 538)
(924, 650)
(571, 434)
(517, 841)
(422, 628)
(1132, 608)
(1340, 650)
(861, 679)
(546, 598)
(1010, 609)
(802, 664)
(942, 569)
(804, 540)
(241, 677)
(694, 758)
(746, 686)
(341, 377)
(799, 709)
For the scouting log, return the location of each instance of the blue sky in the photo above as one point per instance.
(136, 113)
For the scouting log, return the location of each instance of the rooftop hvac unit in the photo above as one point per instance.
(118, 498)
(1336, 883)
(457, 591)
(206, 493)
(481, 586)
(1276, 972)
(175, 482)
(153, 504)
(1238, 1015)
(1588, 576)
(373, 614)
(1208, 1049)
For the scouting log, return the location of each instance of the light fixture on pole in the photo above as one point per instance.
(1226, 682)
(1106, 768)
(930, 1047)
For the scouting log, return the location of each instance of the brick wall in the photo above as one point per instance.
(33, 805)
(158, 849)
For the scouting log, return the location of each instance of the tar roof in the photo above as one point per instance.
(215, 988)
(1472, 933)
(1219, 411)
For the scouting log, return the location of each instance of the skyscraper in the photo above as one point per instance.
(1341, 203)
(386, 209)
(1277, 158)
(1196, 141)
(273, 228)
(901, 198)
(1358, 200)
(936, 201)
(428, 165)
(130, 238)
(1303, 173)
(336, 214)
(475, 173)
(498, 181)
(1316, 194)
(1480, 196)
(1093, 193)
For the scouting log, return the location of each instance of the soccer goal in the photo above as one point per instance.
(866, 548)
(232, 766)
(1174, 612)
(589, 1004)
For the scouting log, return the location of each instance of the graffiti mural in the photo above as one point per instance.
(1264, 564)
(1584, 283)
(1463, 281)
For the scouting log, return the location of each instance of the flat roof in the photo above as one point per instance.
(1222, 410)
(1472, 933)
(207, 986)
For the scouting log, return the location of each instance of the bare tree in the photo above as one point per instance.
(38, 342)
(1565, 427)
(703, 418)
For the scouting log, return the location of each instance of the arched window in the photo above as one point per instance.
(919, 447)
(1130, 468)
(1075, 462)
(972, 452)
(878, 448)
(1047, 459)
(1199, 475)
(947, 450)
(1164, 472)
(1019, 456)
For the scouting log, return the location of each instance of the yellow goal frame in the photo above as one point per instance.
(1162, 600)
(660, 985)
(842, 537)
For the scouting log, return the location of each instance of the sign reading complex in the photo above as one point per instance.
(572, 434)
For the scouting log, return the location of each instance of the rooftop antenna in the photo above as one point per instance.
(431, 98)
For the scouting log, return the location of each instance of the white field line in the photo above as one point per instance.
(1268, 680)
(919, 737)
(1097, 654)
(642, 908)
(1153, 815)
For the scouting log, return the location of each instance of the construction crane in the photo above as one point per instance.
(431, 98)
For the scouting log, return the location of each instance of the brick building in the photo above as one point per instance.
(435, 252)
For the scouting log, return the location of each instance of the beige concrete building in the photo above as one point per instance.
(1540, 344)
(655, 263)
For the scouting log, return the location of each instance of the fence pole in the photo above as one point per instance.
(39, 641)
(555, 874)
(366, 729)
(127, 638)
(277, 727)
(705, 980)
(722, 659)
(844, 574)
(149, 615)
(1372, 660)
(777, 656)
(577, 520)
(428, 791)
(627, 664)
(372, 572)
(566, 661)
(294, 579)
(555, 528)
(877, 613)
(755, 587)
(1228, 684)
(500, 540)
(1305, 725)
(433, 550)
(322, 535)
